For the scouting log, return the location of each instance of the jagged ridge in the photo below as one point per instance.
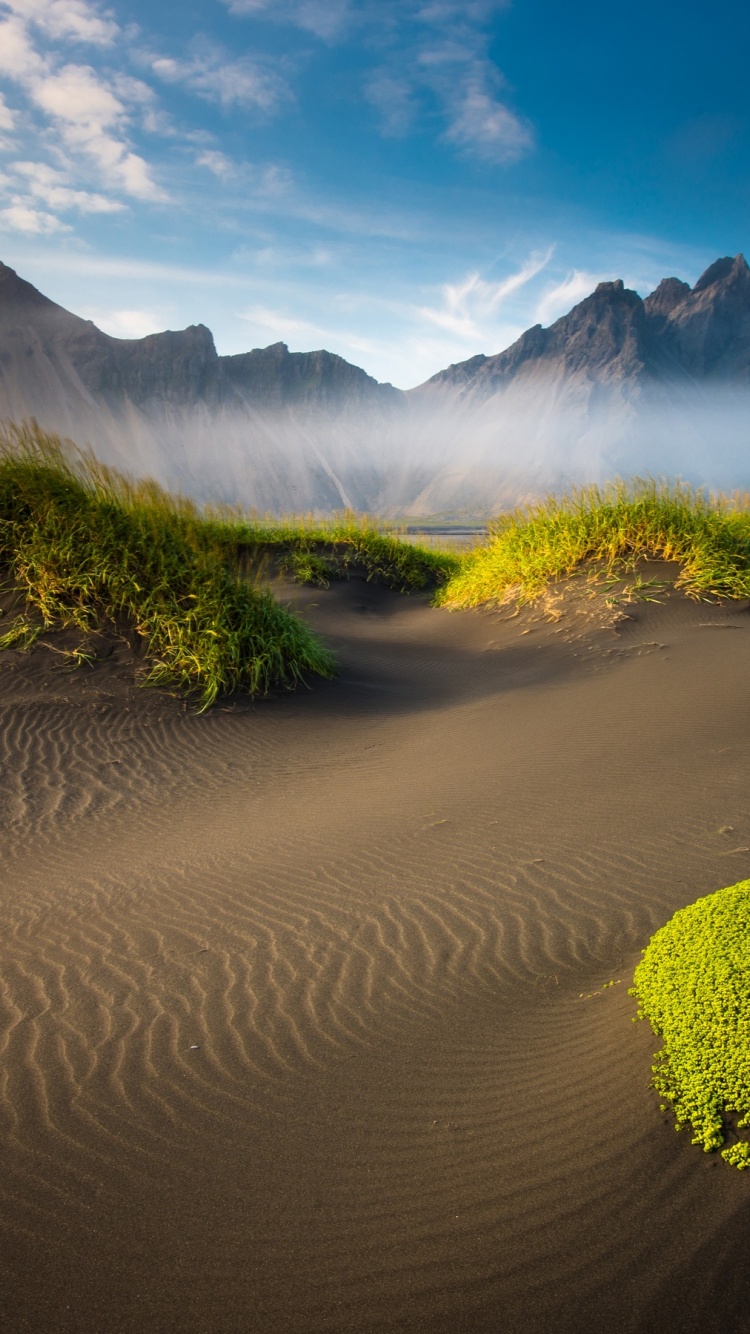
(616, 386)
(613, 335)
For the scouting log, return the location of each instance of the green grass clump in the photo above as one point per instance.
(693, 985)
(532, 546)
(87, 547)
(316, 551)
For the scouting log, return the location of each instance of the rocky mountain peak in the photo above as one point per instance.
(667, 296)
(609, 288)
(726, 271)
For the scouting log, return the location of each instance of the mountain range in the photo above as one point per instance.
(619, 384)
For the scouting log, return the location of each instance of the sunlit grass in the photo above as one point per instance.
(87, 546)
(607, 527)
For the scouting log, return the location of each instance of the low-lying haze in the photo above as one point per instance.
(617, 386)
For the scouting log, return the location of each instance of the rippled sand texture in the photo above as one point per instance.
(291, 1027)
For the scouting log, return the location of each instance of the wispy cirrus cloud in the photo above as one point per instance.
(208, 71)
(484, 126)
(434, 58)
(558, 300)
(438, 59)
(324, 18)
(469, 309)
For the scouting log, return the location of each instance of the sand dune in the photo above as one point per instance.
(292, 1027)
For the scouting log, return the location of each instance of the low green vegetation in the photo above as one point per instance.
(607, 528)
(88, 548)
(693, 985)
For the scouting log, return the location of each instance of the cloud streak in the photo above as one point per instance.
(469, 308)
(244, 82)
(435, 59)
(558, 300)
(324, 18)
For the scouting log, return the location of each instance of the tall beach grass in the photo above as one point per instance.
(709, 536)
(87, 546)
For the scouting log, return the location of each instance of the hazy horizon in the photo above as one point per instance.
(427, 461)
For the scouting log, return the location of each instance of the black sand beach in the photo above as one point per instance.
(302, 1024)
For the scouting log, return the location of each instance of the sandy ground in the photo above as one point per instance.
(302, 1024)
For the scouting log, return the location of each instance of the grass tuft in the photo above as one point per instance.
(86, 546)
(609, 527)
(693, 985)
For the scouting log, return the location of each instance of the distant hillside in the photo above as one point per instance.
(45, 350)
(619, 384)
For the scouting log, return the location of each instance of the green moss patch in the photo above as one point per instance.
(693, 985)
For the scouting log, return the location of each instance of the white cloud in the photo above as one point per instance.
(324, 18)
(242, 82)
(393, 96)
(18, 57)
(486, 127)
(91, 120)
(19, 217)
(261, 185)
(89, 112)
(77, 95)
(459, 11)
(49, 186)
(7, 116)
(278, 325)
(217, 163)
(438, 58)
(468, 309)
(74, 19)
(126, 323)
(558, 300)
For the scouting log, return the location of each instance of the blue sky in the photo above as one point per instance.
(404, 182)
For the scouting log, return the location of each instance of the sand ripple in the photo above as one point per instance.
(301, 1010)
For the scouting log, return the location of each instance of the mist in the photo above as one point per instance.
(444, 458)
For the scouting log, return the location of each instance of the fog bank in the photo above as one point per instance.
(431, 457)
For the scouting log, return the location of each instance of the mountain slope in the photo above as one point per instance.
(246, 426)
(618, 385)
(677, 334)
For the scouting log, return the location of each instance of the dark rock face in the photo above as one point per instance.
(274, 377)
(178, 369)
(618, 385)
(668, 295)
(613, 336)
